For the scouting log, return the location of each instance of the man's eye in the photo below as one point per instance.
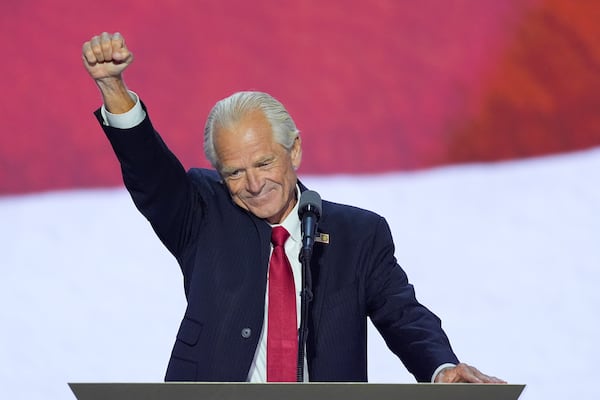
(234, 174)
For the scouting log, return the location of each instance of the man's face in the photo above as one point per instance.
(259, 172)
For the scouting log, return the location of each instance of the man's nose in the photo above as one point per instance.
(254, 181)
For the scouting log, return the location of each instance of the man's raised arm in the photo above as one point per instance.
(105, 57)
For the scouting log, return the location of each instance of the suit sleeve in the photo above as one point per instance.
(409, 329)
(157, 183)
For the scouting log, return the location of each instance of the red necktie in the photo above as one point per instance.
(282, 331)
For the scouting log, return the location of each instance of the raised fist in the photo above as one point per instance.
(106, 56)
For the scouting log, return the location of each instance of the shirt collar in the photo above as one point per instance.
(291, 223)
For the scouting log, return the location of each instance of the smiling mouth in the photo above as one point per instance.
(256, 201)
(262, 196)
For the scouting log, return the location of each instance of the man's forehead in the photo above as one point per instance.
(250, 124)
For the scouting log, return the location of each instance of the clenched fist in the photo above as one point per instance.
(106, 56)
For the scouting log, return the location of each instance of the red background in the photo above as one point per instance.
(374, 86)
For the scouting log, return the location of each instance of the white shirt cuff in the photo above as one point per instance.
(439, 369)
(126, 120)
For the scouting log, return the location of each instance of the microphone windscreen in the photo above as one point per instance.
(309, 201)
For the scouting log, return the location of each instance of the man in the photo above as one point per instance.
(219, 226)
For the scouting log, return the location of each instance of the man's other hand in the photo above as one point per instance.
(463, 373)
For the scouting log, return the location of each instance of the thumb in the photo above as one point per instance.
(121, 55)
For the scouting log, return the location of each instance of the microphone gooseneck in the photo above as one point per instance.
(309, 211)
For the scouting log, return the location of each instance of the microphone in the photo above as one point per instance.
(309, 211)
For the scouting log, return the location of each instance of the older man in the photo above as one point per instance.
(236, 235)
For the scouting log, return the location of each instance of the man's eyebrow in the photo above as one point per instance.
(229, 170)
(265, 159)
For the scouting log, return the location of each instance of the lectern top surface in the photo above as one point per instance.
(293, 391)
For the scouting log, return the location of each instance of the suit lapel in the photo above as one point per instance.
(321, 272)
(264, 233)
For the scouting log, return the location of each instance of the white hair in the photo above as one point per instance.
(230, 110)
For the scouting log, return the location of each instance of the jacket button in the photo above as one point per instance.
(246, 333)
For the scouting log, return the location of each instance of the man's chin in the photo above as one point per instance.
(262, 213)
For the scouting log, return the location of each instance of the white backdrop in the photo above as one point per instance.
(507, 254)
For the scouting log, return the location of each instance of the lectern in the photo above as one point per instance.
(294, 391)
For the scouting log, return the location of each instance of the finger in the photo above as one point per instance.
(468, 374)
(96, 49)
(88, 55)
(473, 375)
(106, 46)
(481, 376)
(120, 52)
(491, 379)
(118, 42)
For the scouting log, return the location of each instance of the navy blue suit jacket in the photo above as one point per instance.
(223, 252)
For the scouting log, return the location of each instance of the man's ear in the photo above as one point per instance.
(296, 153)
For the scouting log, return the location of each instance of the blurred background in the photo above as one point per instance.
(471, 125)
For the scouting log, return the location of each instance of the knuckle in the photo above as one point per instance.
(89, 54)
